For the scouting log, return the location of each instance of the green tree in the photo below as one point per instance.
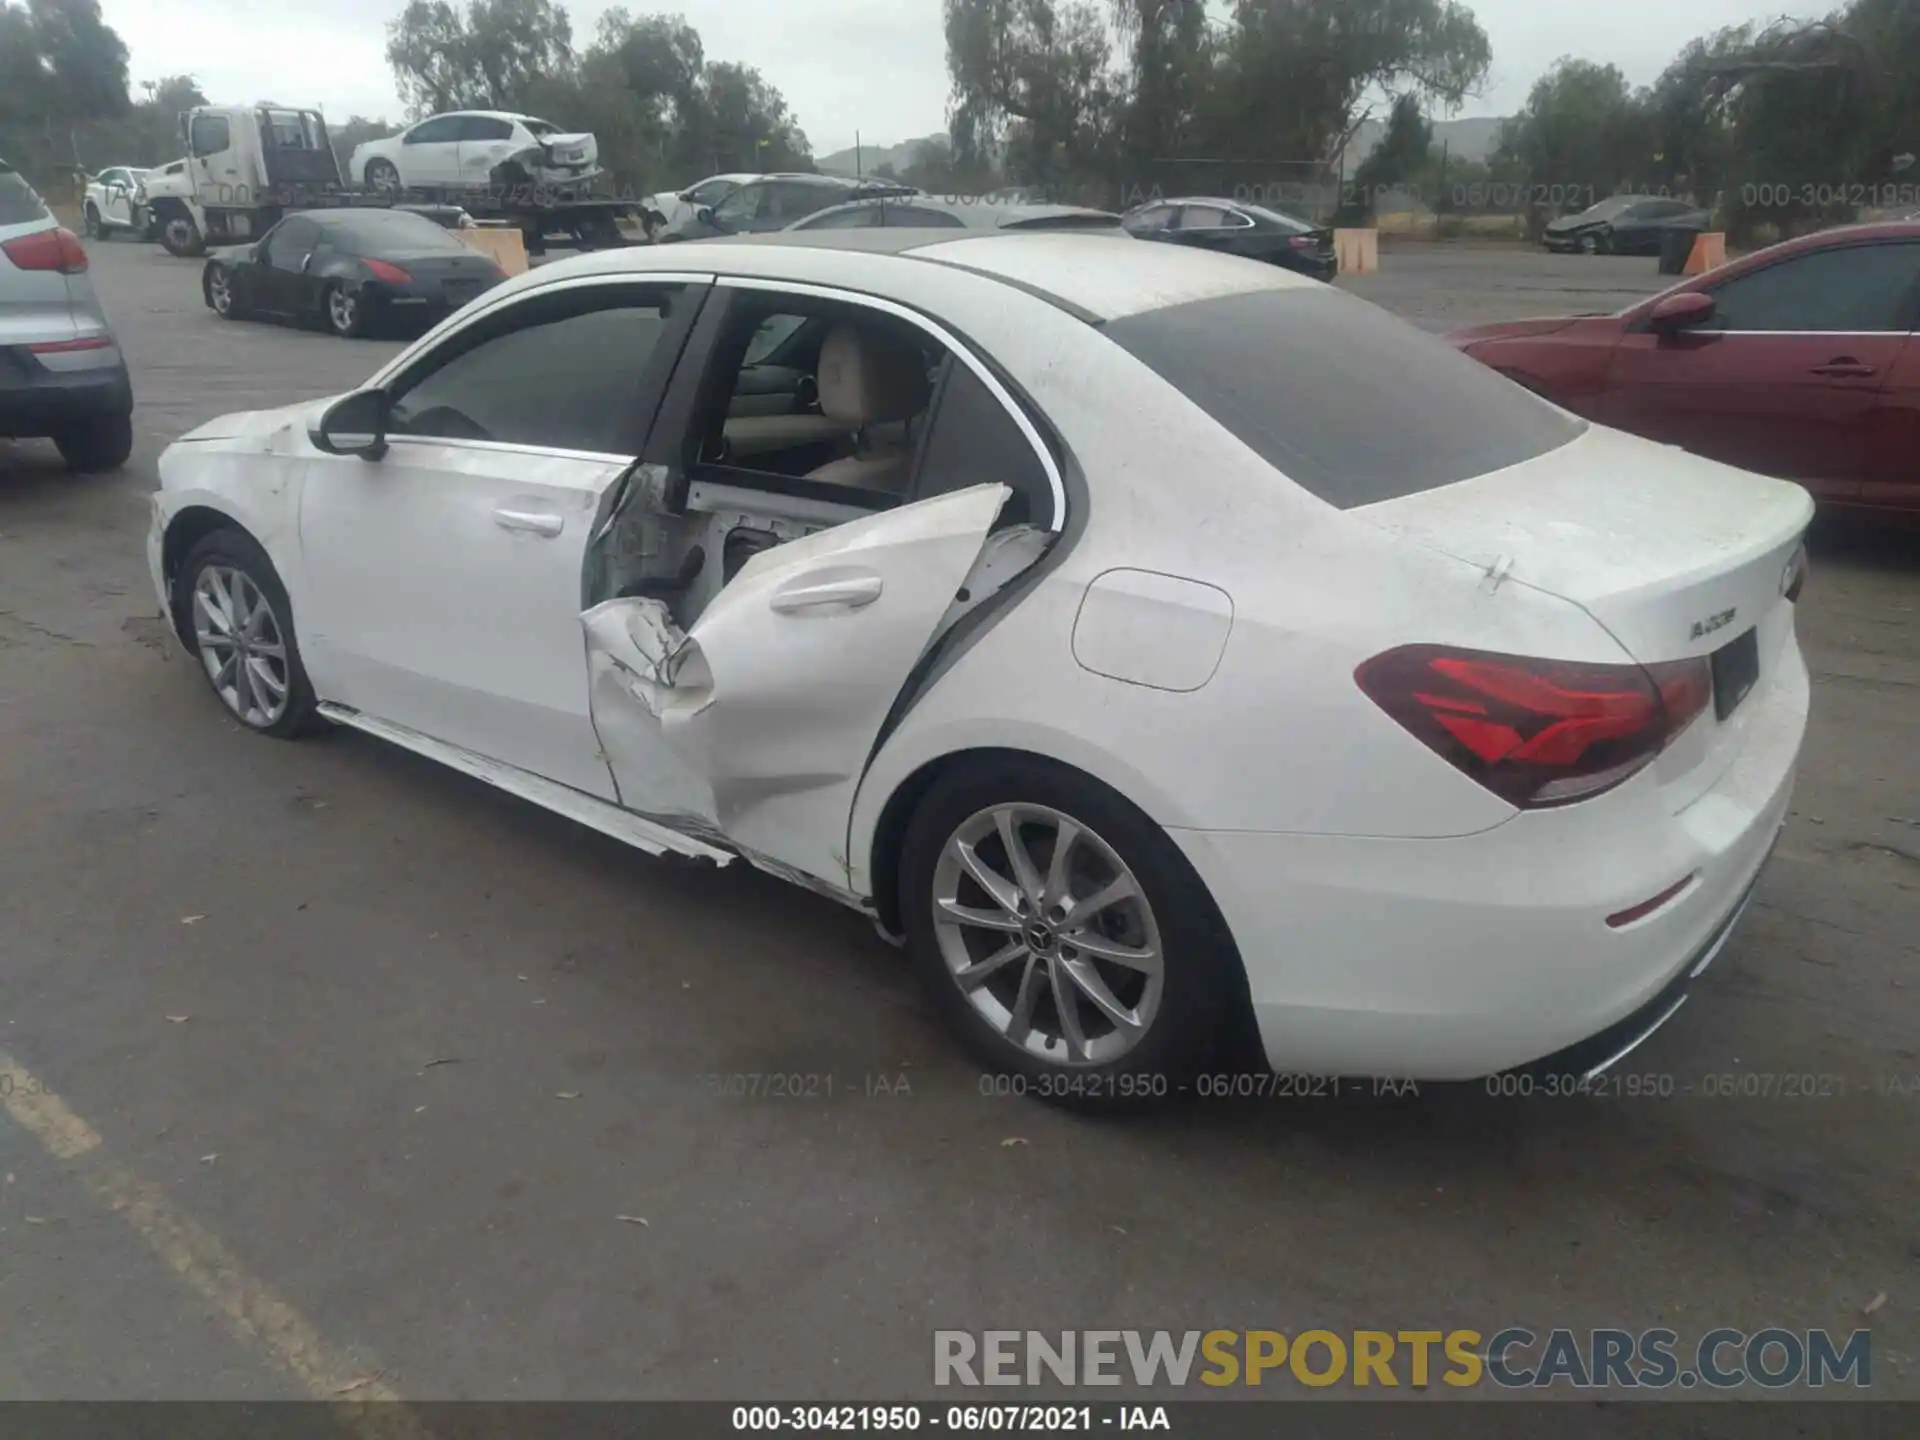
(1401, 159)
(1297, 77)
(1582, 135)
(1170, 64)
(62, 67)
(487, 58)
(1031, 80)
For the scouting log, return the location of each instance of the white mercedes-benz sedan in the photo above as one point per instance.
(1170, 650)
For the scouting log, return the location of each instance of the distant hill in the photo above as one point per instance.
(867, 158)
(1473, 138)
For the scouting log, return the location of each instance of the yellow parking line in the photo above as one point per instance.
(251, 1311)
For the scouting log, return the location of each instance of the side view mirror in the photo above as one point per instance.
(1681, 312)
(355, 424)
(705, 216)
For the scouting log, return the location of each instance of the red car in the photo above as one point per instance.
(1799, 361)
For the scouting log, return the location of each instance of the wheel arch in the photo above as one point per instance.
(882, 849)
(188, 527)
(889, 834)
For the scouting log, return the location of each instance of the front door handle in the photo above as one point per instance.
(535, 522)
(849, 592)
(1846, 367)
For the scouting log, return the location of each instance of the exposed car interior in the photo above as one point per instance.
(811, 414)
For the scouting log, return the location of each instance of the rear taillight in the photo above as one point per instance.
(1538, 733)
(387, 271)
(1304, 242)
(47, 250)
(65, 347)
(1795, 580)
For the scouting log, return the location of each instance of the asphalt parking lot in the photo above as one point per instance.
(328, 1072)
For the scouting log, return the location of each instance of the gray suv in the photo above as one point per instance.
(61, 372)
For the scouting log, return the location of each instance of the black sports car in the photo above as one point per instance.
(351, 268)
(1237, 229)
(1624, 225)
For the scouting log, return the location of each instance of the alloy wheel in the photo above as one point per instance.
(343, 310)
(1048, 934)
(242, 645)
(220, 291)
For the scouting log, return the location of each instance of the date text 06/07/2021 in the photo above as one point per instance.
(1008, 1419)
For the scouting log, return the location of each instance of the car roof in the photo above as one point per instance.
(979, 214)
(1088, 274)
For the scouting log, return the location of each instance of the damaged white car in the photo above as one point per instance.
(476, 150)
(1162, 684)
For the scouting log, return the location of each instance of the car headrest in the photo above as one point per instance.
(870, 377)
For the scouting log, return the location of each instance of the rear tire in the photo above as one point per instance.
(1153, 980)
(383, 176)
(102, 444)
(228, 598)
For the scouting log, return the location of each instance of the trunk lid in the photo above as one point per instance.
(1656, 544)
(1678, 557)
(572, 150)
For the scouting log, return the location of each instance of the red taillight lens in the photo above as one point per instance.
(64, 347)
(1304, 242)
(385, 270)
(1537, 733)
(47, 250)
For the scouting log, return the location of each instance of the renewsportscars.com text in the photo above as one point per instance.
(1513, 1358)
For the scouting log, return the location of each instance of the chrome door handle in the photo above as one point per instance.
(1845, 367)
(536, 522)
(849, 591)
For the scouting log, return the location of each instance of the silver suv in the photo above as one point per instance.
(61, 372)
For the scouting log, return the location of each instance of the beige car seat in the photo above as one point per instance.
(868, 379)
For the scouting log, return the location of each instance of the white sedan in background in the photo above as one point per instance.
(675, 207)
(1158, 684)
(473, 150)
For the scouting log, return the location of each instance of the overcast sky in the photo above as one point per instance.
(876, 66)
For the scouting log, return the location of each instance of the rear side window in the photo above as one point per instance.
(1350, 403)
(974, 441)
(1853, 288)
(18, 203)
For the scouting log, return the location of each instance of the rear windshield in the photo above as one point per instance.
(18, 203)
(1293, 225)
(1341, 397)
(369, 232)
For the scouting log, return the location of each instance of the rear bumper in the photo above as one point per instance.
(36, 400)
(1457, 959)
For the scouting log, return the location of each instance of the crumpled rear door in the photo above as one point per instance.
(757, 725)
